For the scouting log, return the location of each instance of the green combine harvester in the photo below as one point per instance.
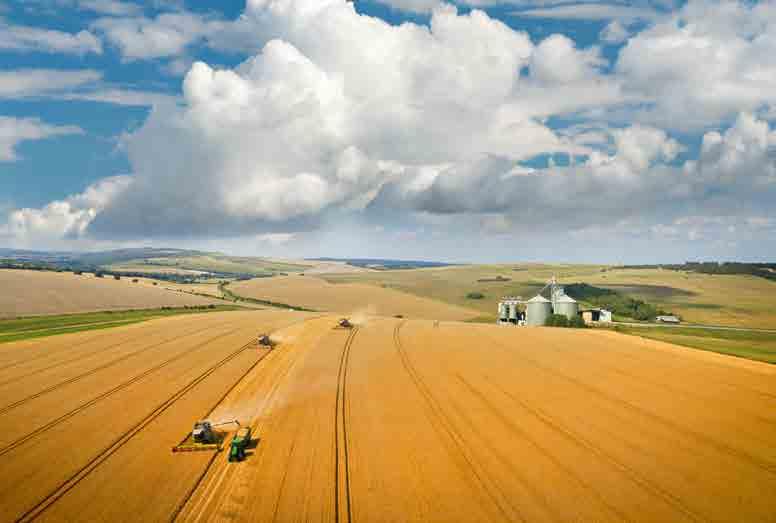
(240, 442)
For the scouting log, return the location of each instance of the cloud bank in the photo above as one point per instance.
(337, 114)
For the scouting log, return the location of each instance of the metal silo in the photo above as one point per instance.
(566, 305)
(537, 310)
(502, 311)
(513, 312)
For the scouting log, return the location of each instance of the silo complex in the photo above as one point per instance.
(566, 305)
(537, 309)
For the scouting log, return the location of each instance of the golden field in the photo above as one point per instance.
(29, 293)
(317, 294)
(394, 420)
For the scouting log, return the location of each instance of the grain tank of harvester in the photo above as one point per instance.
(203, 437)
(202, 432)
(240, 442)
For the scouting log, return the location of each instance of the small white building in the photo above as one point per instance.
(596, 316)
(667, 319)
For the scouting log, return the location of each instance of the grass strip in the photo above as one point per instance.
(17, 329)
(752, 345)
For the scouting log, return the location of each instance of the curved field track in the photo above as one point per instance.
(348, 298)
(31, 293)
(393, 420)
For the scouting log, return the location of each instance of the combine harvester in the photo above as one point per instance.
(265, 341)
(203, 437)
(344, 323)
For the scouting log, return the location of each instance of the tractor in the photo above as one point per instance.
(240, 442)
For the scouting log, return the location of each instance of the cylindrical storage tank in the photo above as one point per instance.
(512, 312)
(567, 306)
(502, 311)
(537, 310)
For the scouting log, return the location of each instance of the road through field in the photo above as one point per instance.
(393, 420)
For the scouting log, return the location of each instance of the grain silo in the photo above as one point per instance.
(565, 305)
(513, 312)
(503, 314)
(537, 310)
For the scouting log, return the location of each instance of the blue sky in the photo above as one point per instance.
(479, 131)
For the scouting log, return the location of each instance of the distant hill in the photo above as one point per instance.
(180, 265)
(382, 264)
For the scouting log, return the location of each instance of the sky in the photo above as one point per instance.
(472, 131)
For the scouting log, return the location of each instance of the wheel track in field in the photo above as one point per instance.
(721, 447)
(496, 412)
(107, 365)
(589, 445)
(447, 425)
(215, 483)
(195, 513)
(125, 437)
(80, 408)
(340, 419)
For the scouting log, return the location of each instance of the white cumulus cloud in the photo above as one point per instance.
(23, 38)
(166, 35)
(67, 218)
(22, 83)
(13, 131)
(702, 66)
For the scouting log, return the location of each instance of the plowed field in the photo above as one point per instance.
(348, 298)
(29, 293)
(394, 420)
